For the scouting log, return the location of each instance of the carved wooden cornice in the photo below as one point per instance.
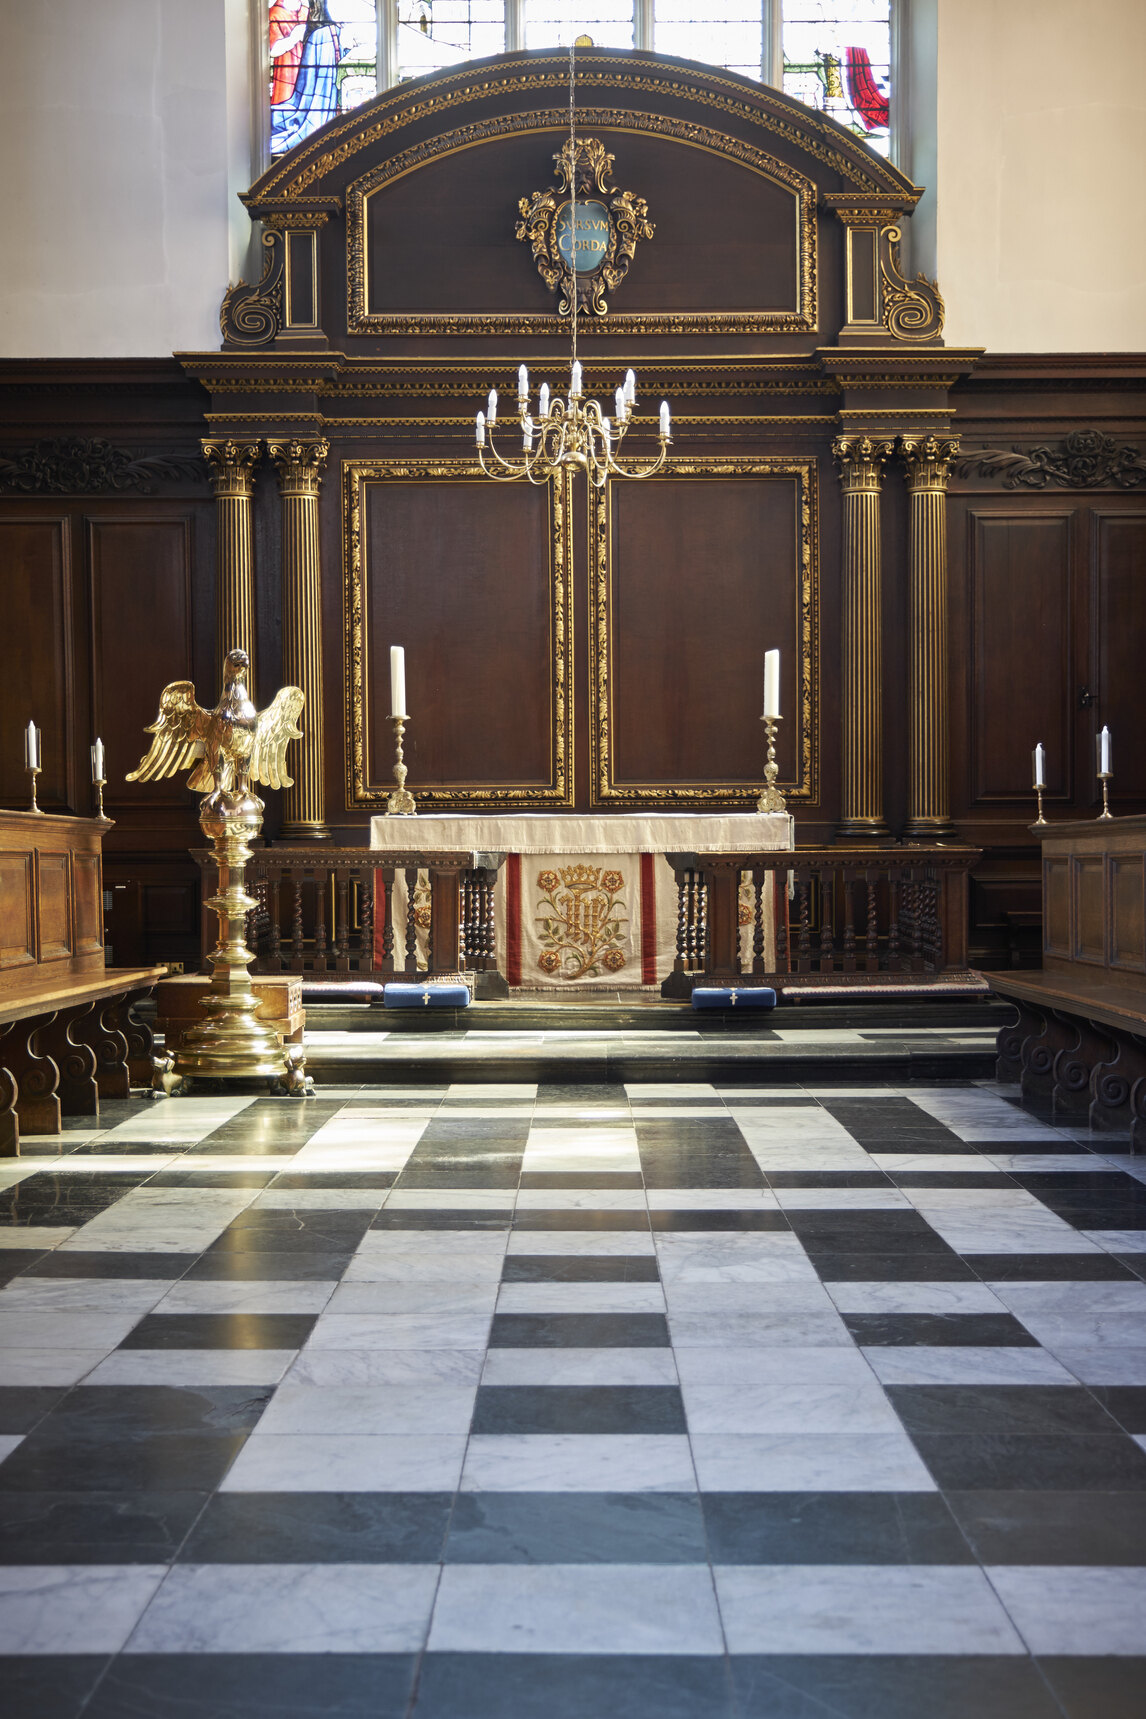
(81, 465)
(1085, 459)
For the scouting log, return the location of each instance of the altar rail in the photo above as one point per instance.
(857, 915)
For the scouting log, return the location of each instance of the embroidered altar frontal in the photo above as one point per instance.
(574, 908)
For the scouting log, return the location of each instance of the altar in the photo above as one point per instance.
(580, 901)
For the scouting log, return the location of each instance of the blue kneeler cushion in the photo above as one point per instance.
(432, 994)
(733, 997)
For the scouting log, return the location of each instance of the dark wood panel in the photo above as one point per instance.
(725, 239)
(1021, 671)
(17, 909)
(704, 579)
(35, 655)
(459, 574)
(139, 571)
(1119, 609)
(55, 936)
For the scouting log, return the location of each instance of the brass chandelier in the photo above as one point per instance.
(571, 434)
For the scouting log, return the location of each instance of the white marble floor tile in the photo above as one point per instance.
(1035, 1162)
(164, 1220)
(718, 1299)
(347, 1462)
(757, 1330)
(884, 1609)
(653, 1111)
(38, 1237)
(700, 1256)
(579, 1367)
(914, 1298)
(465, 1090)
(412, 1269)
(927, 1163)
(289, 1608)
(976, 1229)
(346, 1367)
(412, 1297)
(669, 1089)
(587, 1113)
(581, 1298)
(1063, 1609)
(56, 1609)
(178, 1120)
(25, 1329)
(782, 1366)
(204, 1295)
(581, 1200)
(576, 1608)
(958, 1364)
(397, 1409)
(578, 1462)
(595, 1242)
(772, 1408)
(1118, 1241)
(192, 1367)
(841, 1199)
(400, 1330)
(468, 1246)
(804, 1462)
(711, 1200)
(76, 1294)
(1140, 1440)
(319, 1199)
(450, 1199)
(1124, 1365)
(1088, 1331)
(1065, 1300)
(772, 1156)
(48, 1366)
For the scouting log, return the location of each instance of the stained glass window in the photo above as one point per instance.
(437, 33)
(837, 57)
(556, 23)
(323, 57)
(730, 35)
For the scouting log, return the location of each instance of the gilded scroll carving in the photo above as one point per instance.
(912, 310)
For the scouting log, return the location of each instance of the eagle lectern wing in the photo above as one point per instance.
(276, 726)
(179, 730)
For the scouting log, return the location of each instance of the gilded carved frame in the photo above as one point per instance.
(361, 789)
(639, 796)
(804, 319)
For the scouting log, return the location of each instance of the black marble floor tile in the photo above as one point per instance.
(951, 1179)
(23, 1406)
(442, 1218)
(335, 1179)
(125, 1438)
(572, 1686)
(1039, 1148)
(581, 1178)
(256, 1686)
(1097, 1688)
(211, 1179)
(578, 1409)
(271, 1265)
(576, 1528)
(579, 1268)
(999, 1409)
(75, 1262)
(261, 1229)
(828, 1179)
(320, 1528)
(1045, 1527)
(220, 1331)
(36, 1687)
(1077, 1181)
(270, 1125)
(705, 1218)
(1097, 1211)
(913, 1145)
(866, 1232)
(738, 1098)
(872, 1121)
(832, 1528)
(883, 1686)
(1127, 1404)
(1047, 1267)
(976, 1330)
(578, 1331)
(577, 1219)
(1032, 1462)
(16, 1260)
(942, 1265)
(1135, 1263)
(586, 1096)
(77, 1527)
(684, 1166)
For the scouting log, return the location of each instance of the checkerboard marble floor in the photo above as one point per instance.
(649, 1402)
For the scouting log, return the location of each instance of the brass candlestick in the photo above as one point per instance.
(401, 802)
(1104, 777)
(33, 771)
(99, 784)
(771, 800)
(1040, 821)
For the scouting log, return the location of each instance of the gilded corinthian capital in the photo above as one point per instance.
(299, 465)
(928, 460)
(860, 461)
(231, 465)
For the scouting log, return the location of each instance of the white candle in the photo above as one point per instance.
(1040, 766)
(607, 431)
(481, 430)
(575, 382)
(527, 433)
(619, 405)
(397, 680)
(491, 408)
(630, 387)
(665, 420)
(522, 383)
(771, 683)
(543, 401)
(97, 762)
(31, 747)
(1104, 753)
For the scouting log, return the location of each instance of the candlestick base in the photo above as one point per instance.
(771, 800)
(99, 784)
(33, 771)
(1106, 815)
(1040, 822)
(401, 803)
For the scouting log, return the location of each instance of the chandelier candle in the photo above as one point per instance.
(397, 680)
(1103, 749)
(1039, 768)
(771, 683)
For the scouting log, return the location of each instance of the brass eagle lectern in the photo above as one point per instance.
(230, 747)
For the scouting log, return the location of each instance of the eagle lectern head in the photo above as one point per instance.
(235, 666)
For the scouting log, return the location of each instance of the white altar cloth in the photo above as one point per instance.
(573, 833)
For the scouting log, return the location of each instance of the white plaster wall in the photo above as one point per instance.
(121, 152)
(1041, 168)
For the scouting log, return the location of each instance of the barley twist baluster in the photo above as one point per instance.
(804, 935)
(321, 881)
(871, 928)
(388, 922)
(760, 880)
(827, 914)
(276, 961)
(366, 920)
(893, 961)
(411, 875)
(848, 887)
(780, 908)
(342, 925)
(297, 939)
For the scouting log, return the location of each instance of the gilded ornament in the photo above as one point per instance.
(612, 222)
(912, 310)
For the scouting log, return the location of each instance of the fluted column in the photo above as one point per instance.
(860, 461)
(231, 468)
(299, 466)
(928, 461)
